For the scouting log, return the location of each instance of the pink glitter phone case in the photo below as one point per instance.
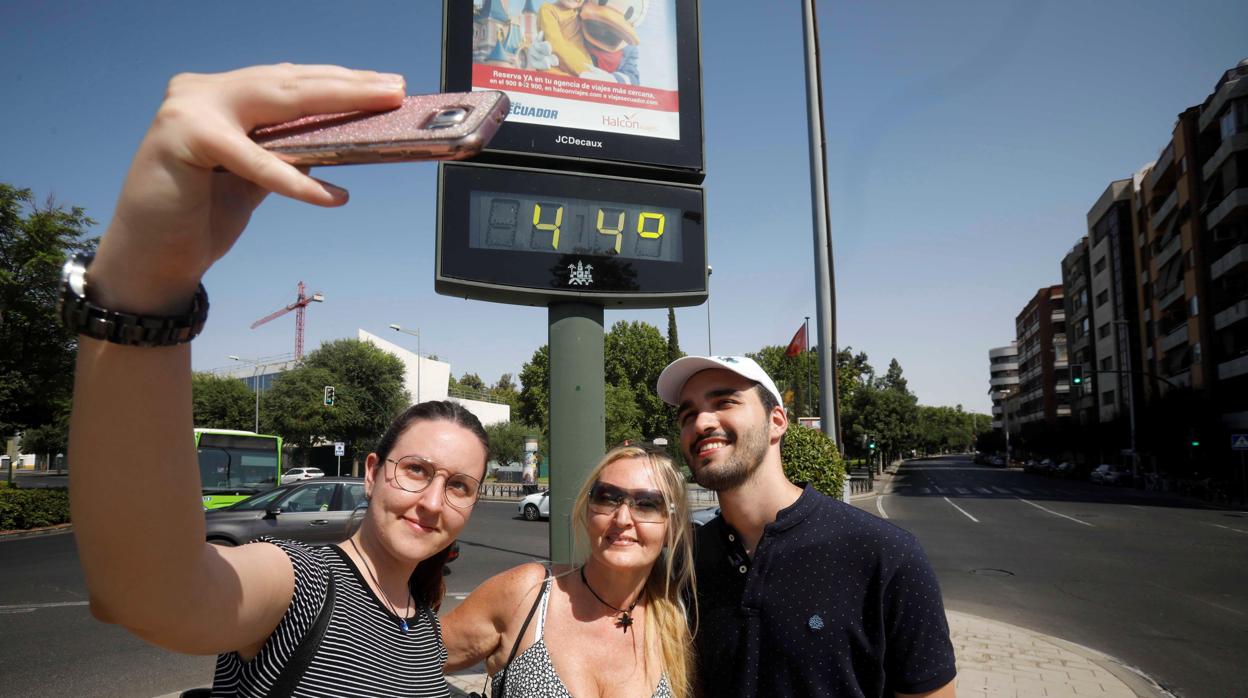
(449, 126)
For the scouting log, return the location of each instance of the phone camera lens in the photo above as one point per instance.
(449, 117)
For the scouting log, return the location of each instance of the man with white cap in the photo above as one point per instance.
(798, 593)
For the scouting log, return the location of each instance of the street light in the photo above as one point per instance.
(708, 311)
(1125, 343)
(419, 360)
(255, 378)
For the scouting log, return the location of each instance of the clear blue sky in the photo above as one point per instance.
(967, 141)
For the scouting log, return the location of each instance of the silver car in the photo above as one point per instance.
(313, 511)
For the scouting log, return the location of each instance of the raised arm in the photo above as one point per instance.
(134, 486)
(484, 626)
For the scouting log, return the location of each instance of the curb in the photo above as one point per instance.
(32, 532)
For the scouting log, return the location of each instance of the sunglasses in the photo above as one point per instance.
(645, 506)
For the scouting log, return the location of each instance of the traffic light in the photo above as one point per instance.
(1076, 374)
(871, 445)
(329, 396)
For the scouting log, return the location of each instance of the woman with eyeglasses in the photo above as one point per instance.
(613, 625)
(284, 618)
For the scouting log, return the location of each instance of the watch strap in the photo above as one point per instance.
(86, 318)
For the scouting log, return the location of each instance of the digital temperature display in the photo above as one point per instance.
(532, 237)
(499, 221)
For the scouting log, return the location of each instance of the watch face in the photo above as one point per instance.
(74, 275)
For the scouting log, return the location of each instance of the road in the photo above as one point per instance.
(1154, 581)
(53, 646)
(1157, 582)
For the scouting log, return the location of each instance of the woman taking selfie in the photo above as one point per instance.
(614, 625)
(284, 618)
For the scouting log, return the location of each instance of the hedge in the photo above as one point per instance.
(33, 508)
(810, 456)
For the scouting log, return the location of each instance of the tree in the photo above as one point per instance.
(504, 391)
(635, 353)
(534, 407)
(47, 439)
(810, 456)
(222, 403)
(507, 441)
(623, 417)
(472, 382)
(37, 363)
(673, 340)
(796, 377)
(368, 387)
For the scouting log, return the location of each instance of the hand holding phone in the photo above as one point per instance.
(448, 126)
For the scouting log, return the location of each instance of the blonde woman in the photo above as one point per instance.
(614, 625)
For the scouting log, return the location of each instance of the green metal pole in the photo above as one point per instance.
(577, 424)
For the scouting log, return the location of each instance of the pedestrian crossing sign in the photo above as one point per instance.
(1239, 442)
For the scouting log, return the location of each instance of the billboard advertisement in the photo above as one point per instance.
(609, 80)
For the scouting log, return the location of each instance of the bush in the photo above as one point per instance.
(33, 508)
(810, 456)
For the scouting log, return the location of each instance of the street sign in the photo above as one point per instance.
(340, 449)
(533, 237)
(1239, 442)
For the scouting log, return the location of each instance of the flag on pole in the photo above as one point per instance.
(798, 345)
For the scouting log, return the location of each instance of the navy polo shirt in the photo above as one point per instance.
(835, 602)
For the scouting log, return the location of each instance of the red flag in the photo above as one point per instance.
(798, 345)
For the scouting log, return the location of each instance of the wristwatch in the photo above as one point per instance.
(83, 317)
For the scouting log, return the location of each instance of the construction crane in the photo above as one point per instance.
(298, 306)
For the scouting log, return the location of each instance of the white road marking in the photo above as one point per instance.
(955, 506)
(1001, 490)
(983, 490)
(937, 490)
(1197, 599)
(1237, 530)
(925, 490)
(879, 506)
(1085, 523)
(962, 490)
(461, 595)
(1023, 491)
(31, 607)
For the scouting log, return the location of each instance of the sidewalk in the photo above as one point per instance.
(1005, 661)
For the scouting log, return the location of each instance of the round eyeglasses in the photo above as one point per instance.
(645, 506)
(414, 474)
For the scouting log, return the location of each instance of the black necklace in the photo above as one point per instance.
(625, 618)
(380, 594)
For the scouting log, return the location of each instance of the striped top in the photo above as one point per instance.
(364, 651)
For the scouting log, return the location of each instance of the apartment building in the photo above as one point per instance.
(1002, 379)
(1222, 136)
(1076, 277)
(1115, 306)
(1043, 367)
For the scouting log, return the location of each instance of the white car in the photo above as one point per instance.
(297, 474)
(535, 506)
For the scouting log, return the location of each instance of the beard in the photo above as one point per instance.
(748, 450)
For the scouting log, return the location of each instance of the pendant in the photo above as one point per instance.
(624, 620)
(403, 625)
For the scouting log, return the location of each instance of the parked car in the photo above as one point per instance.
(1064, 469)
(997, 461)
(297, 474)
(1110, 474)
(701, 517)
(316, 511)
(535, 506)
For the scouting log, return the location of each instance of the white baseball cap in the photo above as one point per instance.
(673, 378)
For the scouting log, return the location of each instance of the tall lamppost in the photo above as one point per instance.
(255, 378)
(419, 359)
(708, 311)
(1124, 344)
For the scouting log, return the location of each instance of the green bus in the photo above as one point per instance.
(234, 465)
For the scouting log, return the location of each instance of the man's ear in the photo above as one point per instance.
(779, 423)
(370, 474)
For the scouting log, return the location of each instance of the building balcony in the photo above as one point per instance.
(1231, 86)
(1171, 297)
(1167, 207)
(1231, 315)
(997, 424)
(1182, 380)
(1235, 257)
(1003, 381)
(1236, 143)
(1063, 410)
(1062, 387)
(1164, 163)
(1171, 249)
(1177, 337)
(1237, 366)
(1235, 203)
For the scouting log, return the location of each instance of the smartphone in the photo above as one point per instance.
(447, 126)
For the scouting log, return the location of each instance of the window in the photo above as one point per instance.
(310, 498)
(1108, 398)
(1103, 331)
(1087, 326)
(1107, 364)
(1196, 352)
(1102, 298)
(1099, 266)
(1195, 307)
